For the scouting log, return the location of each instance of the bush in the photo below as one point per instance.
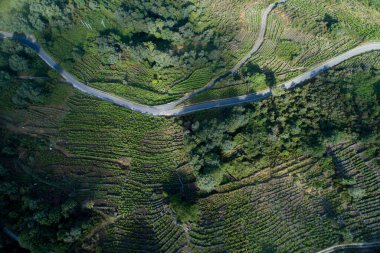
(18, 63)
(184, 210)
(28, 93)
(287, 50)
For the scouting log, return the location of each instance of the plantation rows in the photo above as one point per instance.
(278, 211)
(87, 67)
(354, 23)
(312, 48)
(245, 39)
(294, 166)
(230, 87)
(365, 224)
(135, 93)
(150, 226)
(197, 79)
(314, 44)
(369, 59)
(295, 206)
(42, 117)
(123, 161)
(91, 131)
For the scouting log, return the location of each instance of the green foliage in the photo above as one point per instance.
(30, 93)
(185, 211)
(281, 207)
(4, 79)
(45, 217)
(287, 50)
(356, 193)
(240, 141)
(18, 63)
(36, 16)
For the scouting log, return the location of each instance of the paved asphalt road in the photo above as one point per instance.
(367, 245)
(256, 46)
(170, 109)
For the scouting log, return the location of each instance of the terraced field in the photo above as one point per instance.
(139, 160)
(290, 208)
(121, 161)
(126, 162)
(195, 81)
(130, 168)
(363, 216)
(231, 87)
(306, 45)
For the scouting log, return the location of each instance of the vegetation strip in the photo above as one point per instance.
(351, 246)
(170, 109)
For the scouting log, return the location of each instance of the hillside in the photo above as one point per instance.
(297, 171)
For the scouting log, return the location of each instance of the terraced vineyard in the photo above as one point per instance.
(120, 161)
(290, 208)
(139, 160)
(231, 87)
(363, 216)
(195, 81)
(125, 170)
(296, 172)
(305, 45)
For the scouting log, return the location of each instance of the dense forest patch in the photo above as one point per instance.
(239, 141)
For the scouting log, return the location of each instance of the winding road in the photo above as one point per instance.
(359, 246)
(170, 109)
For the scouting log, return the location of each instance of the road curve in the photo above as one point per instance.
(256, 46)
(170, 108)
(351, 246)
(164, 109)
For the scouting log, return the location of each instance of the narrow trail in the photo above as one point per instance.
(170, 109)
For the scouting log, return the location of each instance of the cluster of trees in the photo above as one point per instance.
(109, 48)
(45, 217)
(31, 92)
(288, 50)
(14, 57)
(160, 35)
(16, 60)
(240, 140)
(39, 15)
(259, 77)
(163, 37)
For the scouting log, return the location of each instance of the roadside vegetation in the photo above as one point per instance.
(301, 34)
(65, 148)
(155, 52)
(140, 50)
(295, 172)
(242, 140)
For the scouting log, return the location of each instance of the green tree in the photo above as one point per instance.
(18, 63)
(29, 93)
